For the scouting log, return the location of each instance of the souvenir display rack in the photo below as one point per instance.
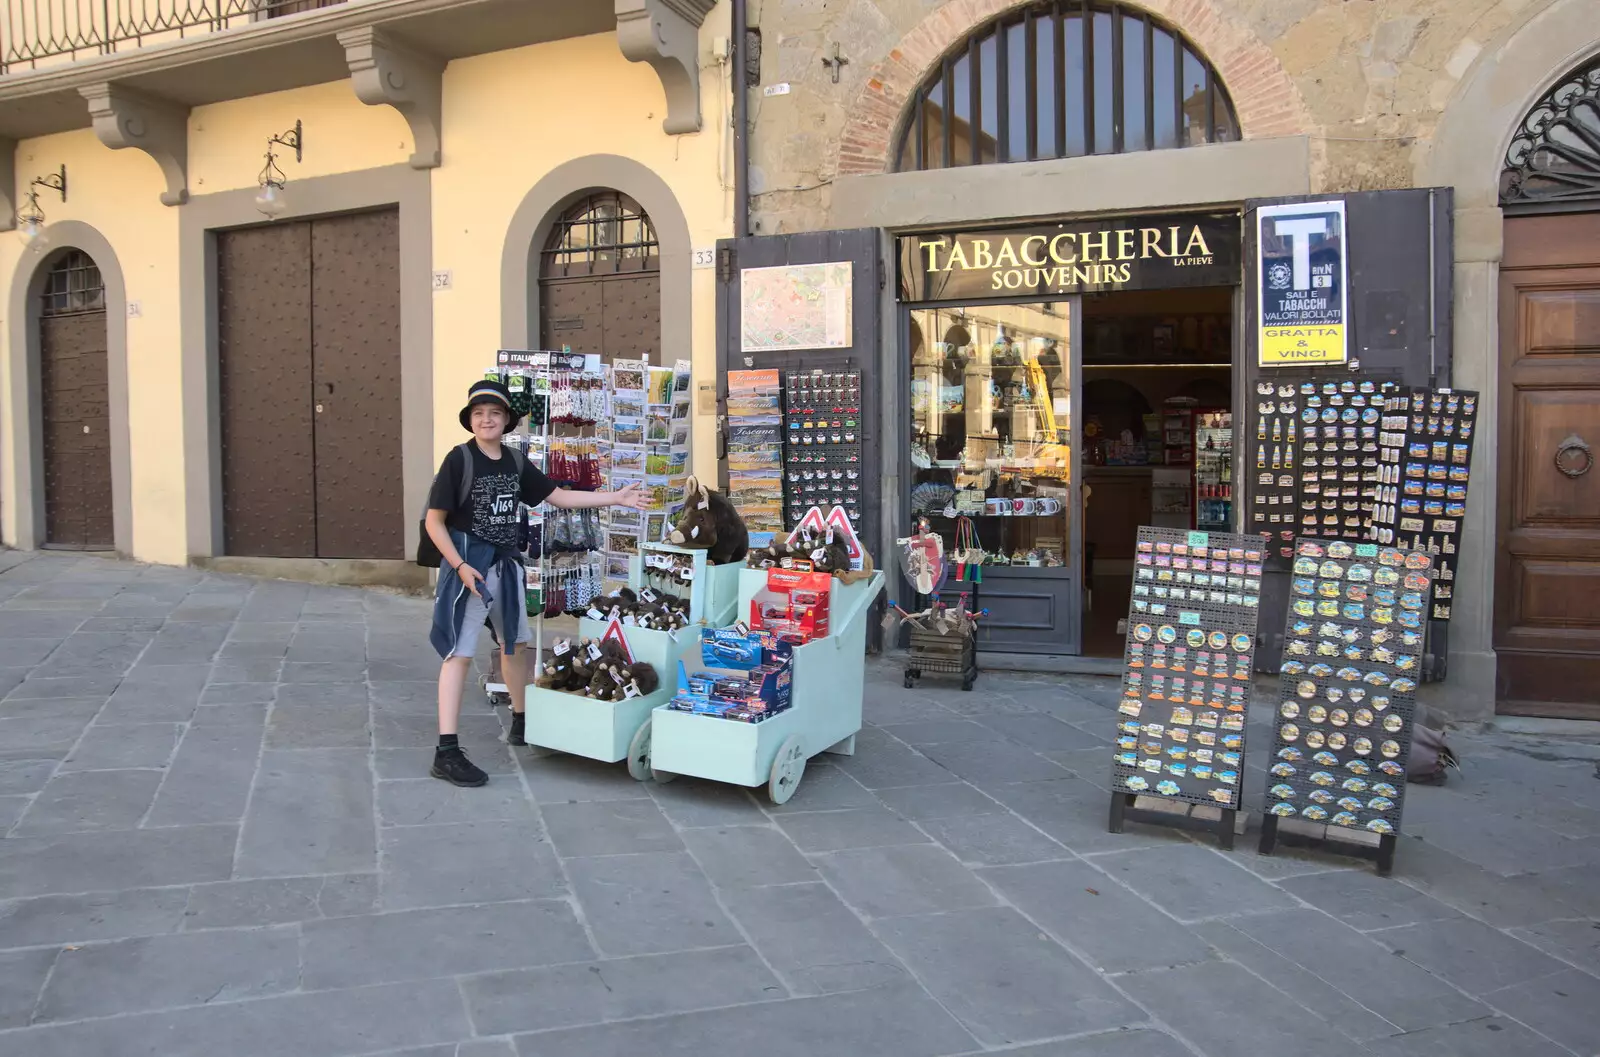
(823, 443)
(1424, 465)
(755, 452)
(1343, 721)
(1187, 666)
(828, 680)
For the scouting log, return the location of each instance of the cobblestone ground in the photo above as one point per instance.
(220, 839)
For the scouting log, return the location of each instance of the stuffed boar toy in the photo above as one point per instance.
(710, 523)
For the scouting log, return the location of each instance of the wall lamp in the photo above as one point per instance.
(30, 218)
(272, 201)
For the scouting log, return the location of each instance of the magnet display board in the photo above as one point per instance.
(1186, 666)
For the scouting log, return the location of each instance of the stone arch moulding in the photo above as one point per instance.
(25, 444)
(542, 207)
(1265, 98)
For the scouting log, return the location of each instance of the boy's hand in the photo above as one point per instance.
(632, 496)
(468, 575)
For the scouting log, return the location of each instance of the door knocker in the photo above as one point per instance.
(1573, 456)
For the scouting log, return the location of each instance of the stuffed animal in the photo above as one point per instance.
(643, 675)
(710, 523)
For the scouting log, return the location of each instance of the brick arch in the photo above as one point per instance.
(1265, 98)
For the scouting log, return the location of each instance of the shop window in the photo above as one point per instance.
(1555, 156)
(605, 233)
(991, 428)
(72, 286)
(1063, 80)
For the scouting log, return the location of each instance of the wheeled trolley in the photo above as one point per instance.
(824, 714)
(955, 653)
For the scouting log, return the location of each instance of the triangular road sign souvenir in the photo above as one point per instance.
(812, 524)
(839, 525)
(614, 631)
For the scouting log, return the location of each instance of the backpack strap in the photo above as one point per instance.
(465, 492)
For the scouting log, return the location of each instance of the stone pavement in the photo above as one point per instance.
(219, 839)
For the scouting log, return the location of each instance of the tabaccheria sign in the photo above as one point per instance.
(1133, 253)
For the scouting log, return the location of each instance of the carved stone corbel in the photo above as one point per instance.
(8, 184)
(125, 118)
(666, 34)
(387, 73)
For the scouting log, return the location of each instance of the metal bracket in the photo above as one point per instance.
(835, 63)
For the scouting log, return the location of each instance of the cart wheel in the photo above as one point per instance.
(968, 679)
(909, 681)
(787, 767)
(539, 751)
(639, 754)
(500, 699)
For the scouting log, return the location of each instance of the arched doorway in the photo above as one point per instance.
(75, 405)
(1546, 634)
(600, 280)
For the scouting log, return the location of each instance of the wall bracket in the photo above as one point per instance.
(666, 34)
(125, 118)
(387, 73)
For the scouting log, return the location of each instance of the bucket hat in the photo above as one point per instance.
(488, 392)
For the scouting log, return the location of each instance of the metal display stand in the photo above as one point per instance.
(1345, 716)
(824, 715)
(1186, 679)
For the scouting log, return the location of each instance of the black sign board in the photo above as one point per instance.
(1343, 722)
(1071, 257)
(1186, 680)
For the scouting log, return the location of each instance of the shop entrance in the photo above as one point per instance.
(1157, 407)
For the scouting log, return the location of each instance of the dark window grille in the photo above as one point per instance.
(605, 233)
(1061, 80)
(1555, 155)
(34, 31)
(73, 286)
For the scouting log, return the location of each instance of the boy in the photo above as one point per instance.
(481, 577)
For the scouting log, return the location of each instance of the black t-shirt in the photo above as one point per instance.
(491, 509)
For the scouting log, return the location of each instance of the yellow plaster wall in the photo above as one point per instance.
(509, 119)
(117, 192)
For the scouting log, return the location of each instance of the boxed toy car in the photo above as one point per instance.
(794, 604)
(749, 676)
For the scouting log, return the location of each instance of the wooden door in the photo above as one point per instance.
(309, 371)
(355, 367)
(1547, 570)
(264, 354)
(77, 430)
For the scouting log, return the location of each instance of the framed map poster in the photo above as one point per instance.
(795, 306)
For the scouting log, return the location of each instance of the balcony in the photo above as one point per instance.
(133, 69)
(39, 33)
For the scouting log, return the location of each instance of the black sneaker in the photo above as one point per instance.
(453, 766)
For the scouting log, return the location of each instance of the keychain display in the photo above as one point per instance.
(1186, 667)
(823, 442)
(1343, 720)
(1425, 464)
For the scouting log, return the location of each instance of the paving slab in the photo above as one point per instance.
(468, 862)
(816, 943)
(309, 812)
(1192, 882)
(1005, 981)
(649, 903)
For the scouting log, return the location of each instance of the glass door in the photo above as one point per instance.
(993, 460)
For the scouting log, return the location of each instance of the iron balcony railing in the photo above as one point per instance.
(38, 33)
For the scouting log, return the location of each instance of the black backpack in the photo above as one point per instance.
(428, 555)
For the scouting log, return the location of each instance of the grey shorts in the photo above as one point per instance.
(472, 625)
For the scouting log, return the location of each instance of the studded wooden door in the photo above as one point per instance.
(309, 350)
(355, 366)
(77, 413)
(600, 282)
